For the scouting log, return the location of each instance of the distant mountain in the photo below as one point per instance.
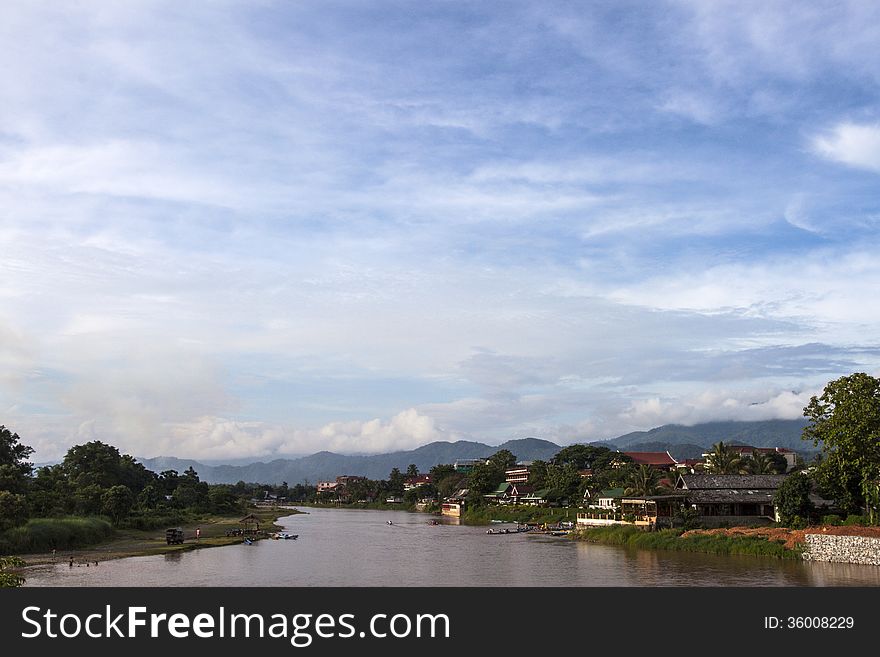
(327, 465)
(681, 441)
(768, 433)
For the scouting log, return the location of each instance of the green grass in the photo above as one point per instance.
(46, 534)
(484, 514)
(670, 539)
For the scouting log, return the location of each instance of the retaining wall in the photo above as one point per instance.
(842, 549)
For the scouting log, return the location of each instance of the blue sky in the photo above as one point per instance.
(256, 229)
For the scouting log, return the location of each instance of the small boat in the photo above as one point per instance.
(248, 541)
(390, 523)
(434, 522)
(286, 536)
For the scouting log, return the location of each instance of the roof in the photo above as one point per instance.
(730, 496)
(539, 494)
(729, 482)
(502, 488)
(651, 458)
(521, 489)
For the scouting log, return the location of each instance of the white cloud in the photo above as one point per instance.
(853, 144)
(715, 405)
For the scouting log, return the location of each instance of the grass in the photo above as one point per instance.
(671, 539)
(130, 542)
(484, 514)
(46, 534)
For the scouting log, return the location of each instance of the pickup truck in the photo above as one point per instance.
(174, 536)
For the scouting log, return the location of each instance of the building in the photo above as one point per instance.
(414, 482)
(658, 460)
(519, 474)
(607, 499)
(733, 499)
(466, 465)
(326, 486)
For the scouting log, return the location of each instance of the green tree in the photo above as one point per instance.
(759, 463)
(792, 498)
(563, 480)
(581, 456)
(8, 579)
(412, 470)
(15, 469)
(502, 459)
(643, 480)
(723, 460)
(13, 510)
(51, 493)
(538, 474)
(116, 502)
(395, 482)
(94, 463)
(845, 421)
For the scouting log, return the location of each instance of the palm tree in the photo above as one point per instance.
(642, 481)
(723, 460)
(760, 463)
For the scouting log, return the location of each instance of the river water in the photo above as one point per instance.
(339, 547)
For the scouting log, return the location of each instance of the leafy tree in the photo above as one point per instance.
(581, 456)
(87, 500)
(563, 480)
(51, 493)
(412, 470)
(15, 470)
(94, 463)
(150, 497)
(395, 482)
(484, 478)
(792, 498)
(116, 502)
(502, 459)
(450, 483)
(759, 463)
(7, 579)
(723, 460)
(538, 474)
(643, 480)
(13, 510)
(169, 479)
(845, 421)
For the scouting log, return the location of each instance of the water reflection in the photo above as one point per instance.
(359, 548)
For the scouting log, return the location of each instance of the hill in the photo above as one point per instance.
(681, 441)
(327, 465)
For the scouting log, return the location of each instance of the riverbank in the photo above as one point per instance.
(138, 543)
(724, 542)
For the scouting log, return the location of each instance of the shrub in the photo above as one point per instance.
(45, 534)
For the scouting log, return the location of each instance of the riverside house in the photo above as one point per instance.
(718, 499)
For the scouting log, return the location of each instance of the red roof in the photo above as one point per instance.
(651, 458)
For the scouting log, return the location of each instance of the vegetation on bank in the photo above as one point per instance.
(672, 539)
(47, 534)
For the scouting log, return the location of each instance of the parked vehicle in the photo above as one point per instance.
(174, 536)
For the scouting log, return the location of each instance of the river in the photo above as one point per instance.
(359, 548)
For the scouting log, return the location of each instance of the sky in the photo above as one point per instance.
(249, 230)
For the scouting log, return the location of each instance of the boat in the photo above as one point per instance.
(520, 529)
(285, 536)
(434, 522)
(390, 523)
(248, 541)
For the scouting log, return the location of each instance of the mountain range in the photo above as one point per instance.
(681, 441)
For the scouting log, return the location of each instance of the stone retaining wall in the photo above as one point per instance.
(842, 549)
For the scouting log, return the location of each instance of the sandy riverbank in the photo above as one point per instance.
(136, 543)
